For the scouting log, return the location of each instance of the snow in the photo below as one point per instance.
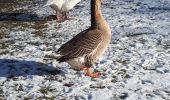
(136, 65)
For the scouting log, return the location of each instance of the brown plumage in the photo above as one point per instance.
(82, 51)
(82, 44)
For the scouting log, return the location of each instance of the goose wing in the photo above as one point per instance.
(82, 44)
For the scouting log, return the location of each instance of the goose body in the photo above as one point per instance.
(62, 6)
(85, 48)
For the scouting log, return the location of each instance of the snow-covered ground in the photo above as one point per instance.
(136, 65)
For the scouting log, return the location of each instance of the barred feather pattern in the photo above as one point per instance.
(85, 48)
(81, 45)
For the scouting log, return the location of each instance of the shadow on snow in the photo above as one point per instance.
(13, 68)
(19, 17)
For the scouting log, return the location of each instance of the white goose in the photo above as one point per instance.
(62, 6)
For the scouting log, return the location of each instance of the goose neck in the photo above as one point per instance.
(96, 14)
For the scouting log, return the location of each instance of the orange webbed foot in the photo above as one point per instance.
(89, 73)
(58, 18)
(93, 75)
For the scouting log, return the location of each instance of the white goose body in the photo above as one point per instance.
(62, 5)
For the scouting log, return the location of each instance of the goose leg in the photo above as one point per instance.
(89, 73)
(58, 18)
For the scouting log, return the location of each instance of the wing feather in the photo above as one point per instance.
(82, 44)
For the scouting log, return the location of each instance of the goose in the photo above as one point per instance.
(83, 50)
(62, 6)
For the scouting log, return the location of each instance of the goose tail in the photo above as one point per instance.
(53, 56)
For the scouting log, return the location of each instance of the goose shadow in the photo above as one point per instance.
(29, 14)
(9, 12)
(13, 68)
(20, 17)
(25, 17)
